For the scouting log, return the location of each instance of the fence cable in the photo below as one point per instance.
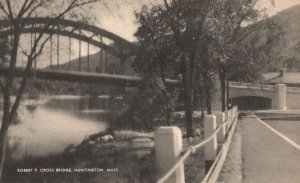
(175, 166)
(209, 173)
(190, 150)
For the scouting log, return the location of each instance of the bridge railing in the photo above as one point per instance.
(293, 89)
(252, 85)
(170, 157)
(262, 86)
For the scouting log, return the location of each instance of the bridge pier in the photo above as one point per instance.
(279, 101)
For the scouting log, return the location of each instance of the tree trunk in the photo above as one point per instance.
(208, 88)
(202, 112)
(206, 79)
(227, 92)
(5, 120)
(168, 118)
(7, 114)
(209, 111)
(202, 97)
(189, 114)
(3, 136)
(223, 88)
(188, 71)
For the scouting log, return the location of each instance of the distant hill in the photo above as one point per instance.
(289, 19)
(113, 64)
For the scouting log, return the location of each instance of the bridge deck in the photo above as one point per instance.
(83, 77)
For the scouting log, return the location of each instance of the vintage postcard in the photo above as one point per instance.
(142, 91)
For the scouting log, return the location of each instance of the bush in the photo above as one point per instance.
(149, 108)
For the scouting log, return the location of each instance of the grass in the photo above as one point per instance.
(194, 165)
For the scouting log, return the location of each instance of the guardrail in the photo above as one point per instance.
(218, 128)
(252, 85)
(293, 89)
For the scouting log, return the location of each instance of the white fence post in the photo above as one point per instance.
(228, 118)
(220, 118)
(226, 114)
(168, 146)
(234, 112)
(210, 148)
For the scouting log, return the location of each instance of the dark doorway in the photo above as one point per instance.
(252, 103)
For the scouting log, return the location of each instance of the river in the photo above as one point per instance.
(48, 126)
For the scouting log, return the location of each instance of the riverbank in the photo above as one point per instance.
(128, 157)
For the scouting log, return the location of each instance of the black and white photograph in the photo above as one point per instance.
(149, 91)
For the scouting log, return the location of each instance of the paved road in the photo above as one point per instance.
(266, 157)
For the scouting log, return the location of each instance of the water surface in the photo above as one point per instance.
(49, 126)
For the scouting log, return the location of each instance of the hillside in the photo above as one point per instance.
(113, 64)
(289, 19)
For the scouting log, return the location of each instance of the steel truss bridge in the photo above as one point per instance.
(107, 42)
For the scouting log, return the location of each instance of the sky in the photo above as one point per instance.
(117, 16)
(121, 21)
(279, 5)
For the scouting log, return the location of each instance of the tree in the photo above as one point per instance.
(232, 24)
(226, 20)
(3, 57)
(259, 52)
(171, 36)
(195, 40)
(149, 108)
(3, 51)
(17, 13)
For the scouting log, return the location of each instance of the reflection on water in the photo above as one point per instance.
(75, 104)
(50, 127)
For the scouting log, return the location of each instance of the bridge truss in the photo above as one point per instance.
(107, 42)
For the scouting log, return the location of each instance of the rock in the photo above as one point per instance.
(107, 138)
(142, 142)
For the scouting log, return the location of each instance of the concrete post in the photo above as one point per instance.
(234, 113)
(210, 149)
(229, 117)
(226, 114)
(280, 97)
(168, 146)
(220, 118)
(226, 119)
